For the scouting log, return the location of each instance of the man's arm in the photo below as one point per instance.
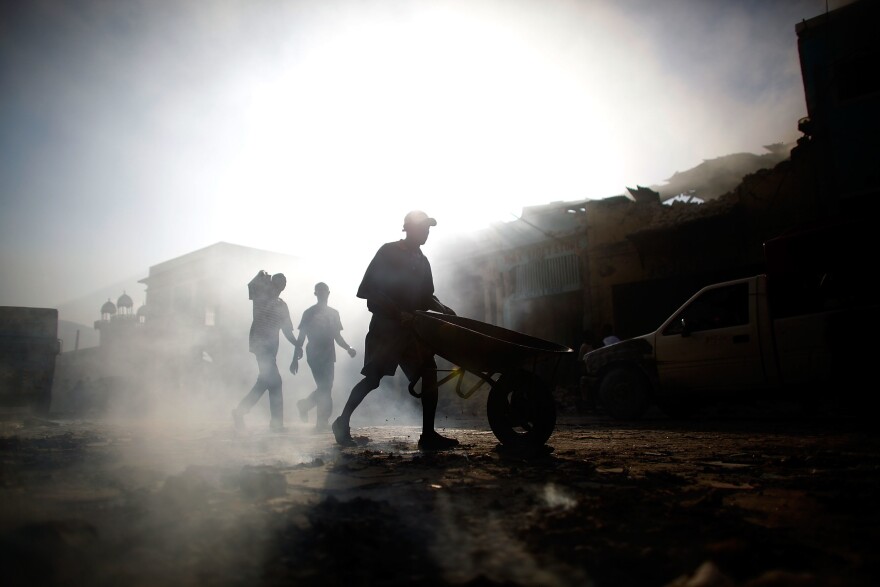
(341, 342)
(287, 324)
(287, 329)
(301, 339)
(439, 306)
(298, 345)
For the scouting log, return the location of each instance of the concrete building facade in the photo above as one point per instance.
(189, 341)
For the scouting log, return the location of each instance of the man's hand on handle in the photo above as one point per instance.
(439, 306)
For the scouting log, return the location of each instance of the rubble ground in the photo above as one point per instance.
(738, 500)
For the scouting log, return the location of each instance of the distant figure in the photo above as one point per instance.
(270, 315)
(585, 400)
(398, 281)
(608, 336)
(322, 327)
(588, 343)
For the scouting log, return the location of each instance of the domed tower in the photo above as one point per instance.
(118, 324)
(108, 313)
(142, 314)
(108, 310)
(125, 305)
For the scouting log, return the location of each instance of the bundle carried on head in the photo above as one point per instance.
(260, 286)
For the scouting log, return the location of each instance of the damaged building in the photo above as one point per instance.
(629, 260)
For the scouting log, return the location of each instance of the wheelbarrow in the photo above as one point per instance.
(520, 407)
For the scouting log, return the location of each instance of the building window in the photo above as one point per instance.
(547, 276)
(209, 316)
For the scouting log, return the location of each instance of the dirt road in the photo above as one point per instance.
(735, 500)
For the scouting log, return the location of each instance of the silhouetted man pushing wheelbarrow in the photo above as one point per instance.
(398, 282)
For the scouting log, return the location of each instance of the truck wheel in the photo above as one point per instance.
(521, 410)
(624, 394)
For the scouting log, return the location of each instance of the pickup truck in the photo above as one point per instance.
(795, 332)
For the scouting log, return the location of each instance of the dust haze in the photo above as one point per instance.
(135, 132)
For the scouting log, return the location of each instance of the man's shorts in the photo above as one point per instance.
(389, 344)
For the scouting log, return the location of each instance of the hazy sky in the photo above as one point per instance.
(132, 132)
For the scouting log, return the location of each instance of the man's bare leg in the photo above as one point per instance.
(431, 439)
(342, 425)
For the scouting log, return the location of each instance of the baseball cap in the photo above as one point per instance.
(416, 218)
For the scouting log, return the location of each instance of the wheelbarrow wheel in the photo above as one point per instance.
(521, 410)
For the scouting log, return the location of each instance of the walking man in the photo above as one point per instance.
(270, 315)
(322, 327)
(398, 281)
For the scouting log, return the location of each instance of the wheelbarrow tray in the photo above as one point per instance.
(480, 347)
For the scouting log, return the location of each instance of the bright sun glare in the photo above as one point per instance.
(443, 111)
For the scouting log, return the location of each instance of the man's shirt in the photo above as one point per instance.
(321, 324)
(270, 317)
